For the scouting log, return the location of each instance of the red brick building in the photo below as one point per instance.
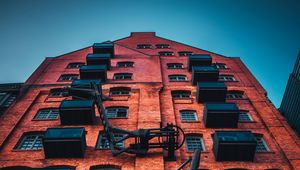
(149, 83)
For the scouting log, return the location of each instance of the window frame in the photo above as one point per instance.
(181, 112)
(166, 53)
(144, 46)
(235, 95)
(120, 91)
(57, 91)
(67, 77)
(162, 46)
(102, 136)
(127, 64)
(221, 66)
(78, 64)
(116, 112)
(35, 118)
(178, 78)
(225, 78)
(245, 112)
(122, 75)
(181, 94)
(185, 53)
(175, 66)
(187, 147)
(38, 136)
(263, 142)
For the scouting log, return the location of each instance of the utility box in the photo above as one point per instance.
(211, 92)
(77, 112)
(221, 115)
(99, 59)
(64, 143)
(204, 73)
(93, 72)
(104, 48)
(234, 146)
(199, 60)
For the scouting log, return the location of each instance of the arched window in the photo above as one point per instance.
(175, 65)
(181, 94)
(118, 91)
(235, 94)
(75, 65)
(122, 76)
(177, 77)
(47, 114)
(185, 53)
(125, 64)
(116, 112)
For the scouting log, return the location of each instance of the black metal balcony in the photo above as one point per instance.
(234, 146)
(104, 48)
(204, 73)
(64, 143)
(98, 59)
(199, 60)
(211, 92)
(221, 115)
(93, 72)
(77, 112)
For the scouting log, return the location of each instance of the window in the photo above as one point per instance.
(181, 94)
(31, 142)
(123, 76)
(188, 115)
(74, 65)
(194, 142)
(235, 95)
(119, 91)
(177, 78)
(116, 112)
(103, 142)
(185, 53)
(261, 144)
(220, 66)
(161, 46)
(143, 46)
(165, 53)
(244, 116)
(56, 93)
(125, 64)
(175, 65)
(47, 114)
(68, 77)
(226, 78)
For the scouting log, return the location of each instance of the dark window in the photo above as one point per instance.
(261, 144)
(185, 53)
(6, 99)
(30, 142)
(226, 78)
(220, 66)
(194, 142)
(68, 77)
(245, 117)
(125, 64)
(175, 65)
(123, 76)
(161, 46)
(116, 112)
(56, 93)
(188, 115)
(177, 78)
(103, 142)
(165, 53)
(47, 114)
(143, 46)
(74, 65)
(235, 95)
(119, 91)
(181, 94)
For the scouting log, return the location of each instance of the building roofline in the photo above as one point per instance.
(70, 52)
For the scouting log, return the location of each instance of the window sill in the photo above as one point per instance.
(20, 150)
(190, 121)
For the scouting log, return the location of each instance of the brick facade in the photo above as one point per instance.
(150, 103)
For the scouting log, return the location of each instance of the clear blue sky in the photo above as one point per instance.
(264, 33)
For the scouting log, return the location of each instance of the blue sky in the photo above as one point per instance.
(264, 33)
